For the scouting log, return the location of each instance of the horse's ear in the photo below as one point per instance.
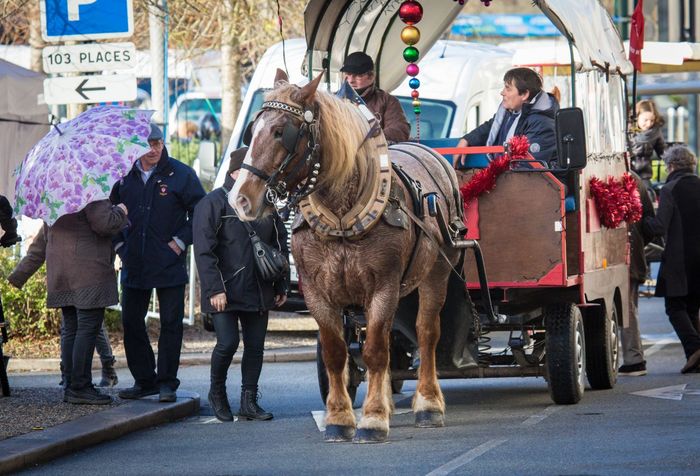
(308, 91)
(281, 76)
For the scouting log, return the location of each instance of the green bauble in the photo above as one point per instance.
(410, 54)
(416, 110)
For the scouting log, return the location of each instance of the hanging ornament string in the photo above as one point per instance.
(411, 12)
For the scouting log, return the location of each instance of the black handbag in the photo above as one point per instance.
(272, 265)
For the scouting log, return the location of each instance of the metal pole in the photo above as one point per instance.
(156, 29)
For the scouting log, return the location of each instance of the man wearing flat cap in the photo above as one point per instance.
(359, 73)
(233, 292)
(679, 274)
(160, 193)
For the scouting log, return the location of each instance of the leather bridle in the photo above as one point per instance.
(288, 186)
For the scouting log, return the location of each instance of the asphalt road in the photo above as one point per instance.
(497, 426)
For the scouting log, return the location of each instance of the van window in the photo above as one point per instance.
(435, 117)
(194, 109)
(255, 104)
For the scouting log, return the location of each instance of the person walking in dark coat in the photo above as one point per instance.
(632, 351)
(526, 110)
(82, 282)
(679, 274)
(232, 291)
(8, 224)
(161, 194)
(647, 139)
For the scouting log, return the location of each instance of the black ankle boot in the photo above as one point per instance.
(218, 400)
(250, 408)
(109, 375)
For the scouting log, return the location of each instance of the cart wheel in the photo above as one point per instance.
(354, 379)
(399, 360)
(602, 348)
(565, 352)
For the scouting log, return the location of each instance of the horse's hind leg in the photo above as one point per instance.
(378, 406)
(428, 401)
(340, 420)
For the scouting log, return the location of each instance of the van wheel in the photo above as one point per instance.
(355, 376)
(565, 352)
(602, 348)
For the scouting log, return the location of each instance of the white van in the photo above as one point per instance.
(460, 84)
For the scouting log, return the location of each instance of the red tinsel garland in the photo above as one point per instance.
(616, 200)
(484, 180)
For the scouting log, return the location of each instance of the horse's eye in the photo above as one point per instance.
(278, 133)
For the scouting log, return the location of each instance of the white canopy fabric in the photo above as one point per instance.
(339, 27)
(23, 121)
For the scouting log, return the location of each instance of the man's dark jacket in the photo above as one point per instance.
(638, 239)
(536, 121)
(224, 254)
(7, 223)
(678, 220)
(159, 210)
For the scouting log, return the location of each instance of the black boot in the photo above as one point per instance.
(250, 408)
(109, 375)
(218, 401)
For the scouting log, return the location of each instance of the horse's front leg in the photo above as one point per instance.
(378, 406)
(428, 401)
(340, 419)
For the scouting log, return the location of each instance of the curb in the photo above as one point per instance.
(33, 448)
(294, 354)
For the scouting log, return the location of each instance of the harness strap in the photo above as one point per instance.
(255, 171)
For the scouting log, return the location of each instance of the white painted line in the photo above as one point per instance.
(319, 416)
(538, 417)
(674, 392)
(208, 421)
(660, 343)
(467, 457)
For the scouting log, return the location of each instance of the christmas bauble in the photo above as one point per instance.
(410, 35)
(410, 54)
(414, 83)
(415, 94)
(410, 12)
(412, 69)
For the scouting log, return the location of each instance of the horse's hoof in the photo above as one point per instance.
(426, 419)
(338, 433)
(369, 435)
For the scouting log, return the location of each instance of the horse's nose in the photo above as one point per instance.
(243, 203)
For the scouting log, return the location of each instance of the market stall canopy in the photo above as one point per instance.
(669, 57)
(23, 119)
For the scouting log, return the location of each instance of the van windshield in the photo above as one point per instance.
(194, 109)
(435, 119)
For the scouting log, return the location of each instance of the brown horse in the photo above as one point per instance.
(308, 141)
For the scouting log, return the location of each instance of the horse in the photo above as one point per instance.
(311, 144)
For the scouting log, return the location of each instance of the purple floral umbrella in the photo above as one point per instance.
(78, 161)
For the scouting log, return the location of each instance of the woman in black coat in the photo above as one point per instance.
(232, 291)
(679, 275)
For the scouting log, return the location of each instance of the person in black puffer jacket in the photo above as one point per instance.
(232, 291)
(7, 223)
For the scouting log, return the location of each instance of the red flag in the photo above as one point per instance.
(637, 36)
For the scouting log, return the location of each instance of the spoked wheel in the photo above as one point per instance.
(355, 376)
(565, 351)
(602, 348)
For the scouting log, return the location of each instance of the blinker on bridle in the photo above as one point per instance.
(276, 187)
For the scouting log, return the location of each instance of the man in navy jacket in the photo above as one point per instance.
(526, 110)
(161, 194)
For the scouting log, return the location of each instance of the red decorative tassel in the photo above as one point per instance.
(484, 180)
(616, 200)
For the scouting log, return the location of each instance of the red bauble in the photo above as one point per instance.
(415, 94)
(410, 12)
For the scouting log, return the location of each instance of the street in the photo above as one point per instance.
(496, 426)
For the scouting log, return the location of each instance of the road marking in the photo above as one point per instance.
(467, 457)
(659, 342)
(673, 392)
(207, 420)
(320, 416)
(538, 417)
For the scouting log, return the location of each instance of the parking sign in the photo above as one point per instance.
(80, 20)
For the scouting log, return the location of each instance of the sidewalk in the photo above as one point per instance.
(291, 338)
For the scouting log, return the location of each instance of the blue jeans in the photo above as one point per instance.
(78, 335)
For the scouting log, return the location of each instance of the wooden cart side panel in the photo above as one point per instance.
(521, 229)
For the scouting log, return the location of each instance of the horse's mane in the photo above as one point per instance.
(342, 130)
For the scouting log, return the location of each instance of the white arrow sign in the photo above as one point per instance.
(90, 89)
(674, 392)
(89, 57)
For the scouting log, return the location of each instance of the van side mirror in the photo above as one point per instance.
(571, 138)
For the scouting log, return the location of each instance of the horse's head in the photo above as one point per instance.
(282, 155)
